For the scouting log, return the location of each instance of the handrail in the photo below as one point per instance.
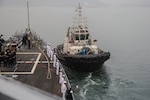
(69, 85)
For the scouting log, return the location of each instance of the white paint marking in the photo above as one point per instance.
(33, 68)
(27, 53)
(15, 73)
(29, 62)
(35, 64)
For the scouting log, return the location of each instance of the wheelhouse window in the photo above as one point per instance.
(76, 36)
(82, 37)
(87, 36)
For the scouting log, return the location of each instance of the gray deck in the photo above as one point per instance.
(32, 69)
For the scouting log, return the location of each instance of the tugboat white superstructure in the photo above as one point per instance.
(79, 51)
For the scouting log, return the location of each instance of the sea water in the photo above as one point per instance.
(123, 31)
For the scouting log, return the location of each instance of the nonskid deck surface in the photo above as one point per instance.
(32, 69)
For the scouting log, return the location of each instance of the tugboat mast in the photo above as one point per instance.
(79, 20)
(79, 15)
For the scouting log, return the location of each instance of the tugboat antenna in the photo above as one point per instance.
(28, 15)
(79, 22)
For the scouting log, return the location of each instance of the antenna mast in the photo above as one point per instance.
(28, 15)
(79, 15)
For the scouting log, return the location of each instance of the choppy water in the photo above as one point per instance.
(123, 31)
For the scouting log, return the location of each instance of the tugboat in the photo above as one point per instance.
(79, 52)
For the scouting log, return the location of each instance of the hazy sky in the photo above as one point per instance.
(88, 3)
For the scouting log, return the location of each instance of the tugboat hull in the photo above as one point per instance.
(84, 63)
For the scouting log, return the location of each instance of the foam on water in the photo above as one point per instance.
(84, 88)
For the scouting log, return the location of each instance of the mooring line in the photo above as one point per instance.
(49, 70)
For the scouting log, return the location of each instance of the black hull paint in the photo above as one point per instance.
(84, 63)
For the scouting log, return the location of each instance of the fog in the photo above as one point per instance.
(87, 3)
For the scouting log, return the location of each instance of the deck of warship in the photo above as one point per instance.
(34, 68)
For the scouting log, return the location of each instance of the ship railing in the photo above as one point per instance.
(68, 83)
(19, 44)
